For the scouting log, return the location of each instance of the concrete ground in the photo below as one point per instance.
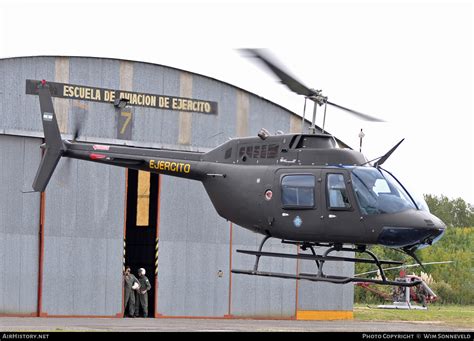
(208, 325)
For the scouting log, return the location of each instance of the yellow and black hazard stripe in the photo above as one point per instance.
(123, 260)
(157, 251)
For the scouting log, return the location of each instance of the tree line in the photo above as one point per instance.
(453, 283)
(453, 212)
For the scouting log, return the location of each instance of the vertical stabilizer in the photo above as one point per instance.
(54, 146)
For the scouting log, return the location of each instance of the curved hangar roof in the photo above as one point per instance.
(165, 108)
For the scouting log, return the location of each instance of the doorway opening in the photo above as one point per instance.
(141, 228)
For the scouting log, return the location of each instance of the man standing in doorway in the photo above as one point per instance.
(142, 294)
(130, 283)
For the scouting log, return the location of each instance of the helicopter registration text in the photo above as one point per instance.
(171, 166)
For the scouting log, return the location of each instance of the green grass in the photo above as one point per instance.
(450, 315)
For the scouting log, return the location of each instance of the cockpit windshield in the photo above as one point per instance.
(377, 192)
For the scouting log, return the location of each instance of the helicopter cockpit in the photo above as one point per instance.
(378, 192)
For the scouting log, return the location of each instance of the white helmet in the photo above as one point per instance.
(142, 271)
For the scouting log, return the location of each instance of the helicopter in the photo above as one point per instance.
(300, 188)
(401, 298)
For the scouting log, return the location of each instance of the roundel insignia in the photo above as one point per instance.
(268, 195)
(297, 221)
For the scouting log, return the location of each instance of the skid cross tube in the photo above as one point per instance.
(318, 263)
(255, 267)
(376, 261)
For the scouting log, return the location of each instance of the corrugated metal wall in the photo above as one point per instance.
(83, 240)
(19, 225)
(84, 203)
(194, 246)
(262, 296)
(326, 296)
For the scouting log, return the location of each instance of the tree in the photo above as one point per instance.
(454, 213)
(453, 282)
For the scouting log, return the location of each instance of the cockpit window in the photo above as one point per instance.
(377, 192)
(297, 191)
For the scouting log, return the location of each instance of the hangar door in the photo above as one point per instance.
(141, 228)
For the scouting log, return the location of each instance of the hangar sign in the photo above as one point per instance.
(88, 93)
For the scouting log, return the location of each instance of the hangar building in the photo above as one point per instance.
(62, 251)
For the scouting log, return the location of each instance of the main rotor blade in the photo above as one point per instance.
(402, 266)
(356, 113)
(297, 86)
(291, 82)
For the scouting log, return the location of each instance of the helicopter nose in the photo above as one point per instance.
(438, 225)
(433, 221)
(438, 222)
(426, 230)
(434, 236)
(400, 237)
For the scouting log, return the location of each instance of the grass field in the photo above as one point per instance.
(452, 315)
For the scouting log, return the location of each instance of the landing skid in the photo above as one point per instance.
(320, 260)
(402, 306)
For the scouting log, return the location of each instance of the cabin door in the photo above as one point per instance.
(340, 217)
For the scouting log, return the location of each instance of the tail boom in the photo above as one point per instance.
(175, 163)
(170, 162)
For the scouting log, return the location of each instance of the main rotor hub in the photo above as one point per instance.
(318, 97)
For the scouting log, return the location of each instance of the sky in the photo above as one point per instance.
(409, 63)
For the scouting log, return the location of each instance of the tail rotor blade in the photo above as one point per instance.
(78, 124)
(77, 131)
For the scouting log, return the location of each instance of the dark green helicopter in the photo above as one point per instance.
(300, 188)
